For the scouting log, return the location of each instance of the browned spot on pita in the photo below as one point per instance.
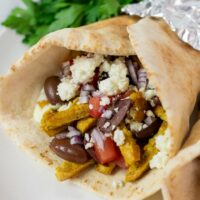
(85, 180)
(99, 182)
(46, 158)
(111, 193)
(42, 45)
(13, 68)
(94, 187)
(33, 147)
(26, 56)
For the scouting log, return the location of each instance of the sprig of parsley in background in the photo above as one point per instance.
(41, 17)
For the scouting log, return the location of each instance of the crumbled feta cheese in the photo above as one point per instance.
(116, 109)
(113, 127)
(152, 103)
(136, 126)
(87, 137)
(105, 67)
(64, 107)
(149, 113)
(91, 106)
(109, 87)
(67, 89)
(118, 69)
(144, 126)
(83, 68)
(163, 144)
(89, 145)
(118, 184)
(107, 114)
(159, 160)
(117, 82)
(105, 101)
(119, 137)
(106, 125)
(149, 94)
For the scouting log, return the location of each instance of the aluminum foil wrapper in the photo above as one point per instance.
(183, 16)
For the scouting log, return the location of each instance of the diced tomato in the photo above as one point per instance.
(109, 153)
(95, 108)
(121, 162)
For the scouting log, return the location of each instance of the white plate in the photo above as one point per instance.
(22, 178)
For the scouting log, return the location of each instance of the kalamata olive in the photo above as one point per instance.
(148, 132)
(91, 152)
(63, 149)
(122, 107)
(50, 88)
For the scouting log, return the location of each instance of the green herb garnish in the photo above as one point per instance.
(38, 18)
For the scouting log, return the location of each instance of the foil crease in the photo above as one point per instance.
(183, 16)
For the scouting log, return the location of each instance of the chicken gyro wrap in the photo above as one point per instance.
(103, 110)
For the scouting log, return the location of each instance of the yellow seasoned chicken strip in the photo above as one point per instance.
(54, 120)
(136, 170)
(70, 169)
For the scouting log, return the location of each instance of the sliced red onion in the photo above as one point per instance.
(96, 93)
(84, 93)
(61, 136)
(76, 140)
(83, 99)
(132, 68)
(88, 87)
(107, 114)
(142, 78)
(98, 138)
(149, 120)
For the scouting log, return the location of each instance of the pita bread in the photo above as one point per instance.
(182, 178)
(26, 77)
(173, 69)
